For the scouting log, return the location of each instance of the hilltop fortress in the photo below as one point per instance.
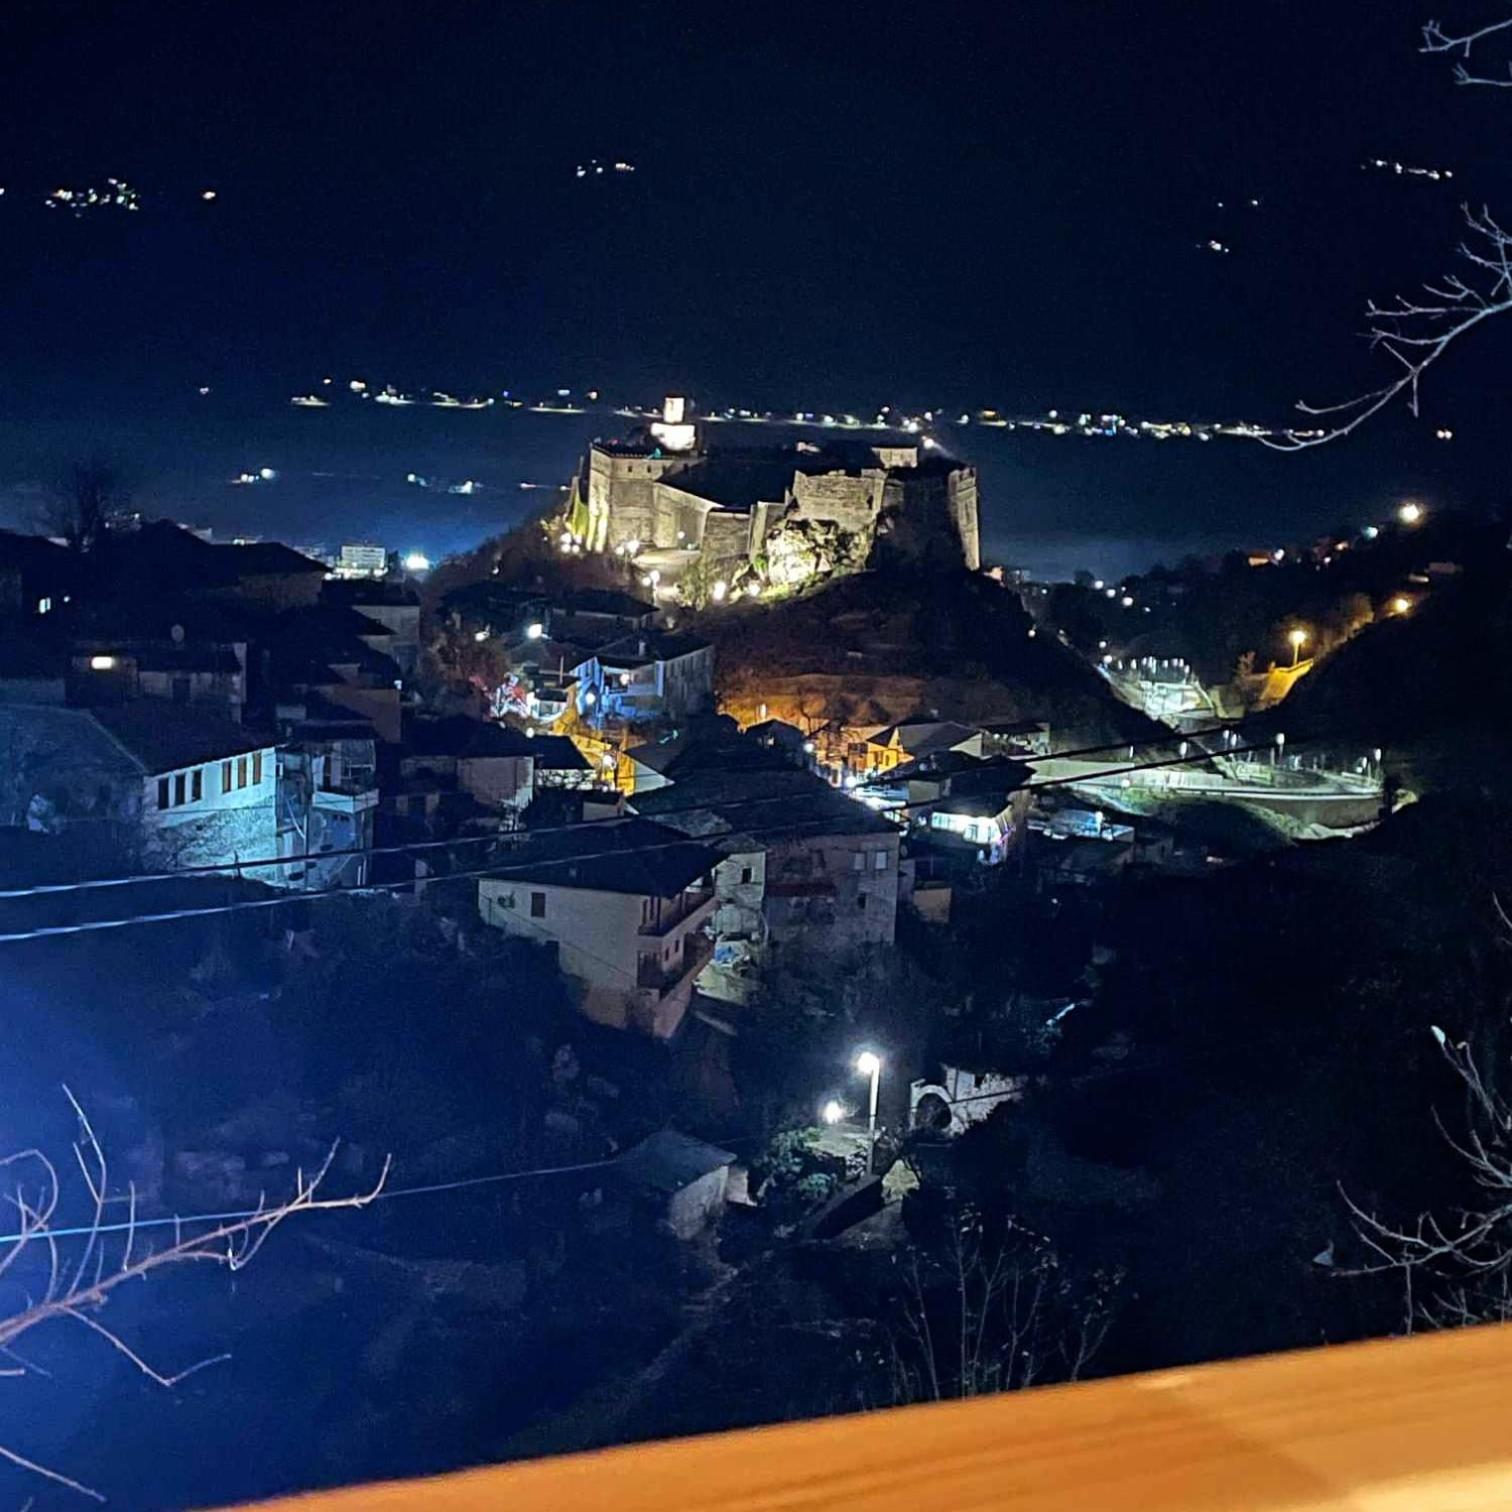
(773, 517)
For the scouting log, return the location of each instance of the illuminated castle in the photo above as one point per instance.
(772, 511)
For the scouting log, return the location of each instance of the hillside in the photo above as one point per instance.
(1432, 688)
(882, 645)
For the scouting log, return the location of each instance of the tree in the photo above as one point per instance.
(60, 1288)
(81, 505)
(1456, 1270)
(1415, 331)
(988, 1307)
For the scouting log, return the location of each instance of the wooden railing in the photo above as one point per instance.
(1416, 1425)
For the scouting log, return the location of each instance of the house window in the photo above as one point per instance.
(181, 690)
(746, 874)
(879, 861)
(225, 776)
(537, 905)
(162, 792)
(861, 901)
(180, 788)
(197, 784)
(241, 772)
(44, 606)
(858, 861)
(256, 768)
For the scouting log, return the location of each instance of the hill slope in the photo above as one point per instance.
(882, 645)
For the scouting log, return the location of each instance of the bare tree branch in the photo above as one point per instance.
(82, 1293)
(1416, 334)
(1437, 40)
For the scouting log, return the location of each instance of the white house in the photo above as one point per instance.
(648, 675)
(167, 784)
(625, 903)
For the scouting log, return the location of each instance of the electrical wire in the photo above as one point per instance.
(504, 868)
(236, 868)
(425, 1190)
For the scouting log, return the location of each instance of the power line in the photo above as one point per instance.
(425, 1190)
(235, 869)
(503, 868)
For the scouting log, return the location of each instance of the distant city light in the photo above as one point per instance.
(832, 1112)
(416, 561)
(1126, 601)
(357, 386)
(1401, 604)
(1099, 585)
(266, 474)
(1370, 532)
(208, 194)
(480, 635)
(1410, 513)
(535, 630)
(101, 663)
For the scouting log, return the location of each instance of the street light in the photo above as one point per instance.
(1410, 513)
(1298, 639)
(869, 1063)
(1401, 604)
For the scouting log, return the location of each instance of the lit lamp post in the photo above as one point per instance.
(1298, 639)
(870, 1064)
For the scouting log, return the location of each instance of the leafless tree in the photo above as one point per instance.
(81, 505)
(1455, 1269)
(1415, 331)
(1437, 40)
(994, 1310)
(77, 1288)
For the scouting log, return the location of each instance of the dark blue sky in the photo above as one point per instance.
(836, 204)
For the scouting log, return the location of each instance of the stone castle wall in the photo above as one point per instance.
(926, 512)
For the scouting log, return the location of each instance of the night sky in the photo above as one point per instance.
(834, 205)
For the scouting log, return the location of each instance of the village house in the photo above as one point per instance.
(160, 783)
(645, 677)
(327, 794)
(828, 871)
(912, 740)
(625, 903)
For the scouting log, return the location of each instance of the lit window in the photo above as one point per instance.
(197, 784)
(858, 861)
(879, 861)
(44, 606)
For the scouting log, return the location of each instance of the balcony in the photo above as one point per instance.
(1403, 1425)
(670, 912)
(694, 954)
(346, 799)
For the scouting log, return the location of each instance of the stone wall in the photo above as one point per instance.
(726, 535)
(622, 496)
(848, 499)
